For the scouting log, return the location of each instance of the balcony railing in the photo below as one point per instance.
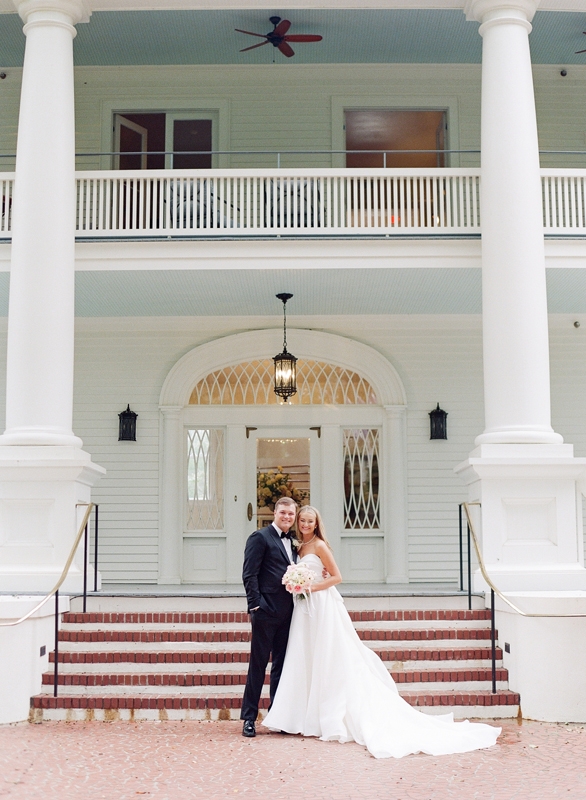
(296, 203)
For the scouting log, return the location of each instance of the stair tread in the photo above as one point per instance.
(233, 700)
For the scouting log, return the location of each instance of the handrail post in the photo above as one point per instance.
(96, 548)
(469, 570)
(56, 651)
(461, 548)
(493, 640)
(85, 565)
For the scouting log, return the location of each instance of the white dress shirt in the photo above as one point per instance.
(285, 542)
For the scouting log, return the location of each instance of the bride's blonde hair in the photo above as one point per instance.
(320, 531)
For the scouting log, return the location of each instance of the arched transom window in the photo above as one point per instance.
(251, 383)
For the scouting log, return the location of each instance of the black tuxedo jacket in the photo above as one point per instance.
(265, 563)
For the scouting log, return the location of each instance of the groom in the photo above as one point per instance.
(267, 555)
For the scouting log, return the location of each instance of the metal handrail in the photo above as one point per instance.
(66, 568)
(485, 575)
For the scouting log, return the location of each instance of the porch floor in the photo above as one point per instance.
(237, 590)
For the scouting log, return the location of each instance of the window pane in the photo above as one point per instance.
(189, 135)
(205, 479)
(361, 479)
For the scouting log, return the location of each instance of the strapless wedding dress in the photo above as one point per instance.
(334, 687)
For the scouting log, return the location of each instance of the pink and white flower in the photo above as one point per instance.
(298, 579)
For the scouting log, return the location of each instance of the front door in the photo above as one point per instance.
(280, 462)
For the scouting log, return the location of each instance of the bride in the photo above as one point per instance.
(334, 687)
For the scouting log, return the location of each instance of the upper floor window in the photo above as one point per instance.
(392, 130)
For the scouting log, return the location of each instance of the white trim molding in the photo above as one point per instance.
(389, 415)
(230, 350)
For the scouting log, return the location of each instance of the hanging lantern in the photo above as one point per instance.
(127, 426)
(438, 423)
(285, 363)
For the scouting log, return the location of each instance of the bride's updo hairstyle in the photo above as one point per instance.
(320, 531)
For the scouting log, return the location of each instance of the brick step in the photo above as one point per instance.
(239, 678)
(234, 701)
(442, 654)
(401, 634)
(214, 617)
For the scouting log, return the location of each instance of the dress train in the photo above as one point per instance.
(334, 687)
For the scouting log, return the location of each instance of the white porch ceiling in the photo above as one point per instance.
(130, 33)
(319, 293)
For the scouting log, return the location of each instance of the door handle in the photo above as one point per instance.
(249, 512)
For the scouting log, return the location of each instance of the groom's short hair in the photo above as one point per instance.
(285, 501)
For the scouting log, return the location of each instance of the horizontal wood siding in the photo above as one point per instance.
(289, 106)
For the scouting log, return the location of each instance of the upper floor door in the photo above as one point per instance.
(169, 140)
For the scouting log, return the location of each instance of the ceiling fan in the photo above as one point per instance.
(581, 51)
(278, 37)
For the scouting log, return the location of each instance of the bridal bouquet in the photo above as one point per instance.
(298, 579)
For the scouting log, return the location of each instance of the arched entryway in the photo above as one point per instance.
(341, 440)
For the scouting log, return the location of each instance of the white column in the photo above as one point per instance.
(514, 301)
(44, 474)
(170, 525)
(395, 496)
(521, 472)
(39, 380)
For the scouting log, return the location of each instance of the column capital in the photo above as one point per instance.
(503, 11)
(72, 11)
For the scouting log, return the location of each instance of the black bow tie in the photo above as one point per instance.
(285, 535)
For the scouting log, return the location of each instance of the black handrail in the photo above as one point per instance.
(469, 556)
(492, 604)
(85, 590)
(96, 547)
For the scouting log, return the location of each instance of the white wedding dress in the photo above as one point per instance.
(334, 687)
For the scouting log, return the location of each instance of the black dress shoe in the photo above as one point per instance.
(248, 729)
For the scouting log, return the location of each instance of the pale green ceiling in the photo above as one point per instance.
(350, 36)
(316, 292)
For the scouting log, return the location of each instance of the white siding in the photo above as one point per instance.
(290, 106)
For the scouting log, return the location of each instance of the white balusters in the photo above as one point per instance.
(564, 201)
(316, 202)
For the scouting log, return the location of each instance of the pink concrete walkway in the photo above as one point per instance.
(211, 760)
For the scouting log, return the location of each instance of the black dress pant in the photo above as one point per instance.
(269, 636)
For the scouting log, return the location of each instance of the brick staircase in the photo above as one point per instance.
(179, 664)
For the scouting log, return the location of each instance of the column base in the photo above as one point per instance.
(538, 647)
(42, 492)
(21, 662)
(530, 521)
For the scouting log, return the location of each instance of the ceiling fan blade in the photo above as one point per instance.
(580, 51)
(302, 37)
(286, 50)
(260, 35)
(260, 44)
(282, 27)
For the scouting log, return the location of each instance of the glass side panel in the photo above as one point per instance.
(361, 479)
(282, 470)
(205, 479)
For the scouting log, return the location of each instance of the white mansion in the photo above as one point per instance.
(417, 181)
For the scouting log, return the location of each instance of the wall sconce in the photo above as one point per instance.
(127, 426)
(438, 423)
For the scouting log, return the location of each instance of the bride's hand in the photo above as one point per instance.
(325, 574)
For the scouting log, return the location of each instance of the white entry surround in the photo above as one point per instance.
(365, 555)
